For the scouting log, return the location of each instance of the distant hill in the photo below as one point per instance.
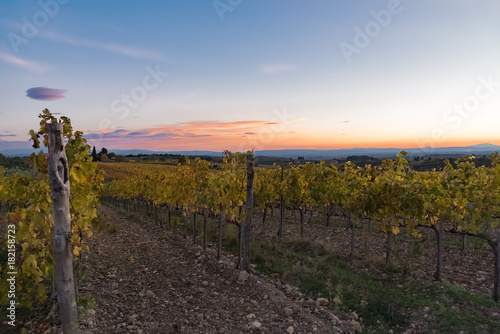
(18, 148)
(481, 149)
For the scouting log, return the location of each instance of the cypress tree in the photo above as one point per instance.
(94, 154)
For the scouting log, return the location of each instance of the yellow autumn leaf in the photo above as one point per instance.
(395, 230)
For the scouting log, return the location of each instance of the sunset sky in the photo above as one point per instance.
(240, 74)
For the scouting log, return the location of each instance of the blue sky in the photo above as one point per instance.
(177, 75)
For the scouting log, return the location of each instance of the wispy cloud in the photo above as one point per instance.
(193, 134)
(45, 93)
(276, 68)
(111, 47)
(137, 133)
(26, 64)
(131, 52)
(217, 125)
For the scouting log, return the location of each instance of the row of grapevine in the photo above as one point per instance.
(192, 188)
(29, 204)
(463, 199)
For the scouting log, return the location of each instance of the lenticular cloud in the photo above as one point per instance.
(45, 94)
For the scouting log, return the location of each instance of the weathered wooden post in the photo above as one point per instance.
(439, 236)
(59, 182)
(194, 228)
(219, 246)
(496, 286)
(246, 226)
(282, 208)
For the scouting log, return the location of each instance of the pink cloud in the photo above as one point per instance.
(23, 63)
(45, 94)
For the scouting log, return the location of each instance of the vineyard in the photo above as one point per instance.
(462, 200)
(291, 207)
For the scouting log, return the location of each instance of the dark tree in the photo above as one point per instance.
(104, 151)
(94, 154)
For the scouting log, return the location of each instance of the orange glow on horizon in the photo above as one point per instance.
(256, 135)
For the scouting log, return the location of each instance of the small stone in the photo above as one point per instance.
(199, 316)
(322, 301)
(354, 325)
(337, 300)
(205, 283)
(150, 294)
(255, 325)
(288, 312)
(335, 320)
(427, 309)
(290, 330)
(132, 319)
(243, 276)
(250, 316)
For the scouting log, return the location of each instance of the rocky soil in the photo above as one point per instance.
(145, 279)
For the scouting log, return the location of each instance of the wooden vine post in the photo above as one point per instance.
(496, 287)
(438, 229)
(246, 226)
(59, 182)
(282, 207)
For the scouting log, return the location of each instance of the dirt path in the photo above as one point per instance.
(145, 279)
